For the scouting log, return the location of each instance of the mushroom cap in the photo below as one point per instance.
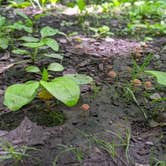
(85, 107)
(137, 82)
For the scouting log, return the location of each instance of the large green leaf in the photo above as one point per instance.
(48, 31)
(161, 76)
(64, 89)
(18, 95)
(80, 79)
(51, 43)
(55, 67)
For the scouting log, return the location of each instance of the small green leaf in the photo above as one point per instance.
(28, 21)
(51, 43)
(4, 42)
(161, 76)
(2, 21)
(64, 89)
(55, 67)
(63, 34)
(19, 5)
(38, 16)
(20, 52)
(45, 75)
(18, 95)
(81, 4)
(33, 45)
(20, 26)
(32, 69)
(29, 39)
(80, 79)
(22, 14)
(57, 56)
(48, 31)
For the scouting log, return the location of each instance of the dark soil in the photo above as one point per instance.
(113, 114)
(42, 116)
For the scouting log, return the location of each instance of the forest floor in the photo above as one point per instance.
(115, 132)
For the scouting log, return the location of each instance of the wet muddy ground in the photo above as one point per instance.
(115, 132)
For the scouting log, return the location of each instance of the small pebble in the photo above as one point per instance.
(149, 143)
(157, 56)
(155, 96)
(137, 164)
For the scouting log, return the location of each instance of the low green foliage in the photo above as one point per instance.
(9, 151)
(147, 18)
(4, 35)
(75, 150)
(102, 31)
(34, 43)
(105, 145)
(65, 88)
(7, 29)
(137, 70)
(124, 141)
(160, 162)
(130, 93)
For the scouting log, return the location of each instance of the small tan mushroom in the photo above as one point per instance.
(129, 69)
(137, 83)
(112, 74)
(148, 85)
(85, 113)
(85, 107)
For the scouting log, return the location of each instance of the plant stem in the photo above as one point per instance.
(34, 54)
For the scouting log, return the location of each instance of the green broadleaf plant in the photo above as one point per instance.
(36, 43)
(7, 30)
(65, 88)
(102, 31)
